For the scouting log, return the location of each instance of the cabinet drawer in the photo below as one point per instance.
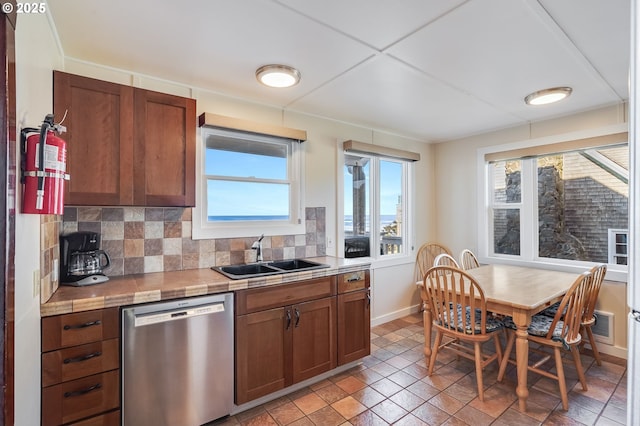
(353, 281)
(78, 399)
(259, 299)
(63, 331)
(109, 419)
(79, 361)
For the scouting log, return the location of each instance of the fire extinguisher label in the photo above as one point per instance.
(52, 158)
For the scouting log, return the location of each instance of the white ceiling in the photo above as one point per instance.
(428, 69)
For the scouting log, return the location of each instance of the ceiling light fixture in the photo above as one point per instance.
(278, 75)
(547, 96)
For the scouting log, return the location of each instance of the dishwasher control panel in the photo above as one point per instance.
(154, 318)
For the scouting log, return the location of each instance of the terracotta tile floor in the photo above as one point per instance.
(391, 386)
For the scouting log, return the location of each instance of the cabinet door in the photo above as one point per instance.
(99, 139)
(263, 341)
(164, 173)
(354, 326)
(314, 338)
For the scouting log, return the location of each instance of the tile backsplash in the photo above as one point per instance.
(154, 239)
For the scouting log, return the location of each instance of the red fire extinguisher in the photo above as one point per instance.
(44, 164)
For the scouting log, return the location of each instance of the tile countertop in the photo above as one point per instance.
(157, 286)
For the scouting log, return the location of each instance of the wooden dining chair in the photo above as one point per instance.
(425, 257)
(557, 333)
(468, 260)
(589, 317)
(445, 259)
(458, 308)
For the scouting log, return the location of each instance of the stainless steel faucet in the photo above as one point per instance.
(257, 246)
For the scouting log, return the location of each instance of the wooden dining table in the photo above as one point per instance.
(519, 292)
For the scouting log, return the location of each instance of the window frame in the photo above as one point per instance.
(202, 228)
(529, 233)
(408, 214)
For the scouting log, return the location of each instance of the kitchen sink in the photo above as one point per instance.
(251, 270)
(296, 264)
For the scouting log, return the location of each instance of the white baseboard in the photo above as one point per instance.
(616, 351)
(395, 315)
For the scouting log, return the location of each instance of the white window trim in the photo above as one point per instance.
(612, 233)
(528, 246)
(408, 216)
(203, 229)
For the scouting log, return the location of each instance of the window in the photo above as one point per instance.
(618, 244)
(250, 185)
(376, 206)
(560, 208)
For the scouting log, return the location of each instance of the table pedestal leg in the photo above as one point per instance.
(522, 359)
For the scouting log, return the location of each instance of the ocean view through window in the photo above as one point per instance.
(251, 184)
(375, 206)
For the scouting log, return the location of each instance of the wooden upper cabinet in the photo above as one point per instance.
(165, 149)
(99, 125)
(126, 146)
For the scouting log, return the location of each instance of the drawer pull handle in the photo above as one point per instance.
(353, 278)
(86, 324)
(297, 318)
(288, 319)
(82, 358)
(83, 391)
(368, 300)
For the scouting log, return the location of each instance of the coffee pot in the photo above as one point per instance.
(88, 263)
(82, 261)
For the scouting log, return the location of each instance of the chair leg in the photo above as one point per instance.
(592, 342)
(477, 347)
(505, 356)
(578, 363)
(496, 339)
(434, 351)
(561, 380)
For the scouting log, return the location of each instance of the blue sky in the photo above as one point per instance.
(248, 198)
(262, 199)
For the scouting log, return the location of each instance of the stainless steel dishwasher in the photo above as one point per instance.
(177, 361)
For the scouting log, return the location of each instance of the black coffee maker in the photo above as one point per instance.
(81, 259)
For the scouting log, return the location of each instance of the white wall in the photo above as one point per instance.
(36, 56)
(457, 204)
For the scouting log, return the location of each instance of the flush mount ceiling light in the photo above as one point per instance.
(278, 75)
(547, 96)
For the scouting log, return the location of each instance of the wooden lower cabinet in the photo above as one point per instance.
(314, 338)
(261, 340)
(81, 398)
(109, 419)
(81, 369)
(279, 347)
(354, 326)
(354, 316)
(284, 334)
